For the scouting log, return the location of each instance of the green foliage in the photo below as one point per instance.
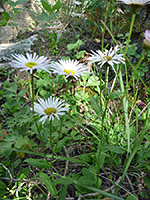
(4, 18)
(104, 135)
(74, 48)
(48, 183)
(54, 41)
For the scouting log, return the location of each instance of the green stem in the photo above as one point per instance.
(42, 145)
(135, 69)
(102, 126)
(130, 32)
(31, 85)
(67, 86)
(51, 146)
(103, 32)
(51, 162)
(32, 100)
(125, 101)
(59, 133)
(137, 144)
(106, 81)
(100, 75)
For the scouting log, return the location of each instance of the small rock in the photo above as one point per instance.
(7, 50)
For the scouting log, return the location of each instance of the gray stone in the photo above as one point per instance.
(7, 50)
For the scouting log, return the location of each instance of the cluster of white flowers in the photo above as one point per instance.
(70, 68)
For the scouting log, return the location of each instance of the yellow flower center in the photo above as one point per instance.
(107, 58)
(30, 64)
(68, 71)
(49, 111)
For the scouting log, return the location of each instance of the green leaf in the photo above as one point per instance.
(63, 192)
(3, 22)
(52, 16)
(37, 162)
(22, 92)
(70, 46)
(46, 6)
(115, 95)
(64, 181)
(13, 87)
(16, 163)
(5, 15)
(80, 54)
(96, 106)
(21, 1)
(2, 185)
(48, 183)
(147, 181)
(23, 173)
(93, 81)
(57, 5)
(102, 192)
(113, 148)
(12, 3)
(61, 144)
(78, 43)
(132, 197)
(9, 148)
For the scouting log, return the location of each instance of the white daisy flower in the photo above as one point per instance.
(30, 62)
(77, 2)
(69, 68)
(135, 2)
(146, 41)
(50, 108)
(109, 57)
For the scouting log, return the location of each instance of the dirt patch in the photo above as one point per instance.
(21, 23)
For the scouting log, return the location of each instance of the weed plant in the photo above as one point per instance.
(79, 126)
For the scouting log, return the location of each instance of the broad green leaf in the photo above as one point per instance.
(113, 148)
(48, 183)
(147, 181)
(115, 95)
(70, 46)
(64, 181)
(3, 193)
(80, 54)
(78, 43)
(37, 162)
(144, 194)
(57, 5)
(16, 163)
(23, 173)
(53, 16)
(2, 185)
(96, 106)
(44, 16)
(21, 1)
(46, 6)
(3, 22)
(5, 15)
(63, 192)
(93, 81)
(73, 159)
(61, 143)
(12, 3)
(22, 92)
(132, 197)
